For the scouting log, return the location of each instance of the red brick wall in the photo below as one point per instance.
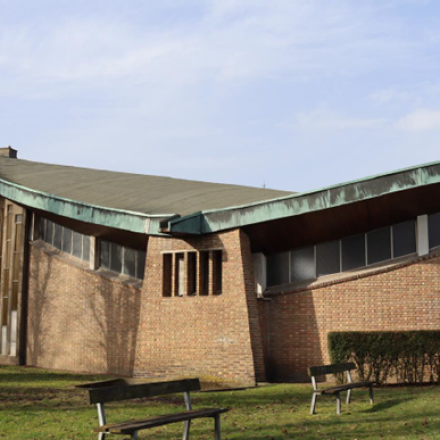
(205, 336)
(403, 298)
(79, 320)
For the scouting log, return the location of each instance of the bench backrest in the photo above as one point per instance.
(122, 389)
(331, 369)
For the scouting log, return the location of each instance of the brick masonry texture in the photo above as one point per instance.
(404, 298)
(205, 336)
(80, 320)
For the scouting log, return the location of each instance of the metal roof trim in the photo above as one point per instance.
(334, 195)
(112, 217)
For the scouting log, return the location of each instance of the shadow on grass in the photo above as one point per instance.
(387, 404)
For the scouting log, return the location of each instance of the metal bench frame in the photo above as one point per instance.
(336, 390)
(126, 389)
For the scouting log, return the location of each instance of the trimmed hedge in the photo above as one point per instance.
(405, 357)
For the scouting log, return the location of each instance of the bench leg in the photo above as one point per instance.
(186, 430)
(217, 428)
(371, 395)
(348, 396)
(313, 404)
(338, 403)
(135, 435)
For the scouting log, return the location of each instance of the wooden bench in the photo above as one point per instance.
(126, 389)
(336, 390)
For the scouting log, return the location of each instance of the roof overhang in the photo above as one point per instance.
(98, 215)
(307, 202)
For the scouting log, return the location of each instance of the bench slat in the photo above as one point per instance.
(136, 425)
(345, 387)
(143, 390)
(331, 369)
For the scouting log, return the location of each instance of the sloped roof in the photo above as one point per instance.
(132, 192)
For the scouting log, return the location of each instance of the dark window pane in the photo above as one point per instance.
(328, 258)
(58, 232)
(191, 273)
(130, 262)
(49, 232)
(404, 238)
(278, 268)
(43, 229)
(140, 268)
(115, 257)
(66, 245)
(104, 259)
(77, 245)
(353, 252)
(217, 272)
(204, 273)
(434, 230)
(302, 264)
(379, 245)
(167, 274)
(86, 248)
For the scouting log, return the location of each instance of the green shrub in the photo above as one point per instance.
(401, 357)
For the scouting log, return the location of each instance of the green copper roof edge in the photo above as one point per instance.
(272, 209)
(325, 188)
(88, 213)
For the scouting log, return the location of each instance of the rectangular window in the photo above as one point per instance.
(66, 243)
(278, 269)
(328, 258)
(120, 259)
(353, 252)
(65, 239)
(140, 264)
(179, 275)
(302, 264)
(379, 245)
(86, 248)
(192, 273)
(116, 257)
(217, 272)
(434, 230)
(167, 274)
(57, 236)
(204, 272)
(130, 262)
(404, 239)
(77, 245)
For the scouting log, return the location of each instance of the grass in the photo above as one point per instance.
(37, 404)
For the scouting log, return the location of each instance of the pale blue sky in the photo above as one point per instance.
(297, 94)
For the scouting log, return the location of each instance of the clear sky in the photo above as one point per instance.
(291, 93)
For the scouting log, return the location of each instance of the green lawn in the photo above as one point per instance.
(37, 404)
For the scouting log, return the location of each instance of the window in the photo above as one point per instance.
(310, 262)
(191, 273)
(434, 230)
(328, 258)
(278, 268)
(379, 245)
(204, 272)
(302, 264)
(122, 259)
(217, 272)
(404, 239)
(65, 240)
(353, 252)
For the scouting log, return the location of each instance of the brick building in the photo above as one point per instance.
(128, 274)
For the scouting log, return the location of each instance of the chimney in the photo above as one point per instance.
(8, 152)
